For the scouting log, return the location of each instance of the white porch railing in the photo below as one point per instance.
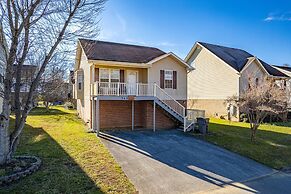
(121, 89)
(140, 89)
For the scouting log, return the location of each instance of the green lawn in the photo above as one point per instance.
(273, 146)
(74, 161)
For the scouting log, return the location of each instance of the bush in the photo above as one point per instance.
(69, 105)
(243, 117)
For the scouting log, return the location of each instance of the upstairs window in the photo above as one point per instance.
(109, 75)
(114, 75)
(168, 79)
(104, 75)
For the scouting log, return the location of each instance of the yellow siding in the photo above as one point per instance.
(170, 63)
(211, 78)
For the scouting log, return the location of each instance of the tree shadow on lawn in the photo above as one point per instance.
(271, 148)
(38, 111)
(282, 124)
(207, 162)
(59, 173)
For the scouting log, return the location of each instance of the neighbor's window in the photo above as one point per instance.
(257, 81)
(168, 79)
(80, 80)
(104, 75)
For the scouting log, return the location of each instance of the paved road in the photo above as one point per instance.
(174, 162)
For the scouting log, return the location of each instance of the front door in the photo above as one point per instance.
(131, 82)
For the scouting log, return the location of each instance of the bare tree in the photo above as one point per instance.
(36, 31)
(259, 101)
(52, 86)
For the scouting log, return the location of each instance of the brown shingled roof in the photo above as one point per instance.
(109, 51)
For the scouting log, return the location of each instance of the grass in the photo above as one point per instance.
(74, 161)
(272, 148)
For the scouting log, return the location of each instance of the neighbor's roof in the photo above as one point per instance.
(237, 58)
(286, 68)
(109, 51)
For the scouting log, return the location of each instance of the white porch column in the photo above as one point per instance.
(132, 115)
(93, 114)
(97, 115)
(154, 117)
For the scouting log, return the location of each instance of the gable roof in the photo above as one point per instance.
(238, 58)
(109, 51)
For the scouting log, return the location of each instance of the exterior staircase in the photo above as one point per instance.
(173, 108)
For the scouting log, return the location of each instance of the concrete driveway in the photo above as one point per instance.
(174, 162)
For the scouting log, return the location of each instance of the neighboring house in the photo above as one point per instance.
(220, 72)
(287, 83)
(128, 86)
(27, 75)
(71, 84)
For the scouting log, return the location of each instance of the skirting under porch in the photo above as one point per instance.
(129, 114)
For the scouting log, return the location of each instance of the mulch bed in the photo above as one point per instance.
(19, 167)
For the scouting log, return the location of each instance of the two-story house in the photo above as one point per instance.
(129, 86)
(28, 73)
(221, 72)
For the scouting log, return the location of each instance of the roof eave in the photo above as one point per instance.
(119, 63)
(170, 54)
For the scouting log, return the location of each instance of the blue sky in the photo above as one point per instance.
(261, 27)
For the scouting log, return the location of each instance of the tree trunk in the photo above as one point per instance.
(4, 134)
(46, 106)
(253, 132)
(4, 143)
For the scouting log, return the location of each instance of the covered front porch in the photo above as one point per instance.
(136, 105)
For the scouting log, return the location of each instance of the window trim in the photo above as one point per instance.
(109, 74)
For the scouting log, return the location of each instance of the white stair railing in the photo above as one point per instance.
(163, 96)
(169, 100)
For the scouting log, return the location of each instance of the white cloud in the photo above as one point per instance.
(122, 22)
(278, 17)
(167, 44)
(269, 18)
(133, 41)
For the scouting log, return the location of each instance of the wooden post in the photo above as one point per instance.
(132, 115)
(154, 117)
(97, 113)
